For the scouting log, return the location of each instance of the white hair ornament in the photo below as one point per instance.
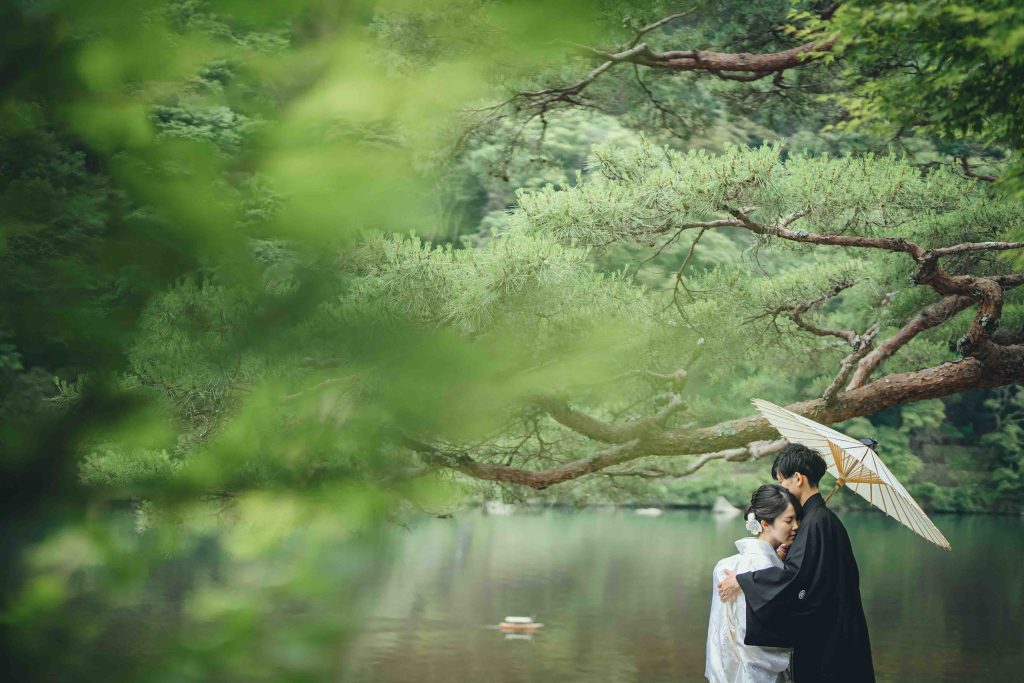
(753, 526)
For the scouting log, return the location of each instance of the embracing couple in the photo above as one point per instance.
(788, 607)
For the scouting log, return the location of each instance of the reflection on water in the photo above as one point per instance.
(625, 598)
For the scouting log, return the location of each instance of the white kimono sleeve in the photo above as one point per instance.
(728, 659)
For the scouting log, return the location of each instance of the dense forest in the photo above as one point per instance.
(310, 261)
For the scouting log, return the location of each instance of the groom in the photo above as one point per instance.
(813, 601)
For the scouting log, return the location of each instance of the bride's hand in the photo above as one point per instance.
(782, 550)
(729, 589)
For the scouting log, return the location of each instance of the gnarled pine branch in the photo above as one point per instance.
(1006, 367)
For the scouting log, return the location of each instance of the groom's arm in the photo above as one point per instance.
(763, 587)
(768, 608)
(729, 588)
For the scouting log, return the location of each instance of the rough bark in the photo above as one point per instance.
(606, 432)
(732, 62)
(927, 318)
(737, 66)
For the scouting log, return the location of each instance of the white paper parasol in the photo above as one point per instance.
(855, 466)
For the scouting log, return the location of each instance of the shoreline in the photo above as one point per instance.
(524, 506)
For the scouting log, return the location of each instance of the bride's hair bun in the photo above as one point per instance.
(766, 504)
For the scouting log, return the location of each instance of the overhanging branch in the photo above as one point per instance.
(861, 346)
(1005, 366)
(927, 318)
(987, 291)
(607, 432)
(736, 66)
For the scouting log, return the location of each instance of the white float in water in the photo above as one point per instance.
(520, 624)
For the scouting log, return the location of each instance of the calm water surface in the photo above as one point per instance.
(626, 598)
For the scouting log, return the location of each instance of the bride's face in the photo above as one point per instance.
(783, 529)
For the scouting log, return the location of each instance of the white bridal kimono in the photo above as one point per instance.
(728, 659)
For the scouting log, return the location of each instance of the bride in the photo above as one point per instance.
(771, 519)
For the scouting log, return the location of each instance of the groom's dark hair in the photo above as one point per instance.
(799, 458)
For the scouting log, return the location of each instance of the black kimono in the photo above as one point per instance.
(813, 603)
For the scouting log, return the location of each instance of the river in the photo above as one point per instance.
(625, 597)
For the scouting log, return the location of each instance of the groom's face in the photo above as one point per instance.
(791, 484)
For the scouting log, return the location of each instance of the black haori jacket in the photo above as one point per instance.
(813, 603)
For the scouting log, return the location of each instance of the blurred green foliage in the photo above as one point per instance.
(179, 182)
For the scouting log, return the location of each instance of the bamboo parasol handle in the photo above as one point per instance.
(835, 488)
